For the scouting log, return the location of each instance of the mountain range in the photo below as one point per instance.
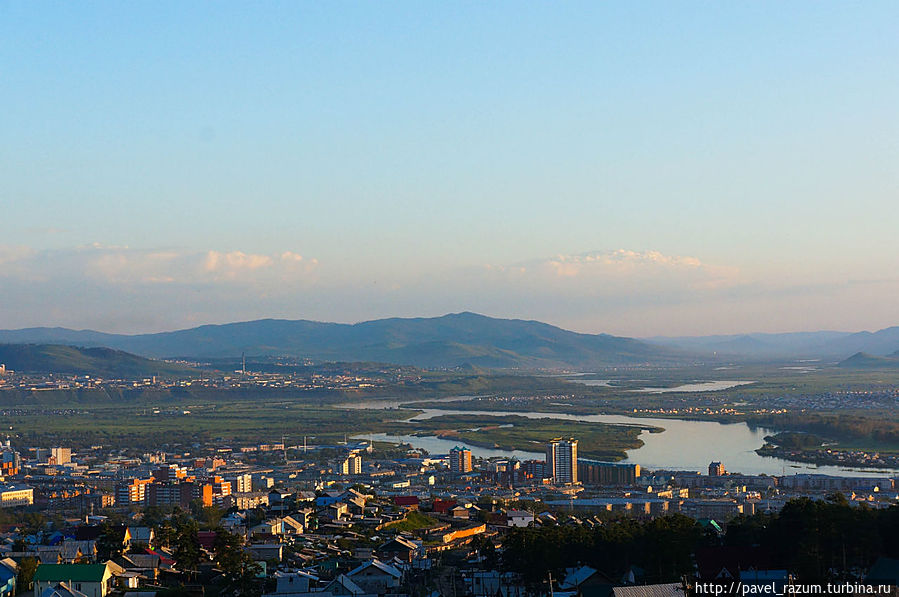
(825, 344)
(460, 339)
(448, 341)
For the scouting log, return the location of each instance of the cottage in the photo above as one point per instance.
(94, 580)
(78, 552)
(141, 536)
(519, 518)
(341, 586)
(399, 548)
(62, 590)
(375, 576)
(292, 584)
(266, 552)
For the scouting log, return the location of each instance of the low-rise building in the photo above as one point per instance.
(94, 580)
(16, 495)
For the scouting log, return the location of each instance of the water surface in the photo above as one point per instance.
(684, 445)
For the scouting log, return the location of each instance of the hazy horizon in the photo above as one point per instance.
(637, 170)
(434, 316)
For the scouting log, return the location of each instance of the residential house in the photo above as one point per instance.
(459, 512)
(587, 581)
(341, 586)
(62, 590)
(72, 551)
(399, 548)
(272, 526)
(145, 564)
(8, 572)
(519, 518)
(356, 505)
(293, 584)
(266, 552)
(410, 502)
(141, 536)
(376, 577)
(94, 580)
(337, 511)
(291, 526)
(492, 583)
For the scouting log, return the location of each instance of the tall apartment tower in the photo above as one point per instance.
(561, 460)
(351, 465)
(61, 455)
(460, 460)
(241, 482)
(716, 469)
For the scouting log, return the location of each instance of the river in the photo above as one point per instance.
(684, 445)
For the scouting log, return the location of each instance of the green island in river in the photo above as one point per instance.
(601, 441)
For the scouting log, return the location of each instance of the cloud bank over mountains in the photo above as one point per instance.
(621, 291)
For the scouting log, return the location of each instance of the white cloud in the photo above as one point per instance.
(232, 263)
(11, 254)
(291, 256)
(125, 266)
(624, 268)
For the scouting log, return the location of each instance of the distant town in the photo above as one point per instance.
(356, 518)
(288, 477)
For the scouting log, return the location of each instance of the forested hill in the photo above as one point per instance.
(448, 341)
(98, 361)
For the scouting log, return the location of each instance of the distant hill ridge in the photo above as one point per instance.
(863, 360)
(98, 361)
(449, 341)
(824, 344)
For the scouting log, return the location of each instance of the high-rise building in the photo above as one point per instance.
(351, 465)
(10, 460)
(533, 471)
(179, 493)
(716, 469)
(561, 460)
(460, 460)
(61, 455)
(241, 482)
(170, 472)
(592, 472)
(132, 492)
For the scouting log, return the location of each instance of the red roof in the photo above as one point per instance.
(162, 557)
(443, 505)
(206, 538)
(405, 500)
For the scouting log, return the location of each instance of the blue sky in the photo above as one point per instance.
(635, 168)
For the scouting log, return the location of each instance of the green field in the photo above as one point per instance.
(168, 424)
(151, 427)
(851, 409)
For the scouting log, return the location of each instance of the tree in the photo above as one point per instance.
(27, 568)
(187, 545)
(110, 541)
(238, 568)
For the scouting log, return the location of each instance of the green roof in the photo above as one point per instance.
(70, 572)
